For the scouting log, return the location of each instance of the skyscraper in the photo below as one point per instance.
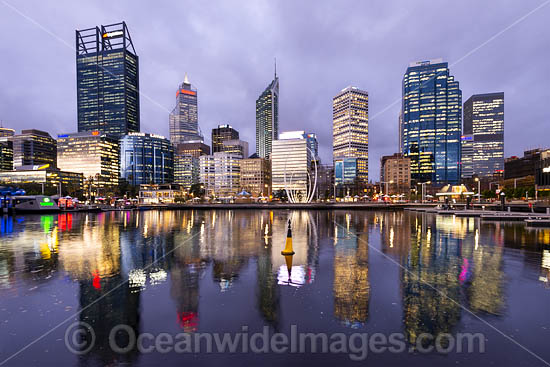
(184, 118)
(221, 134)
(107, 80)
(350, 128)
(267, 118)
(483, 139)
(432, 109)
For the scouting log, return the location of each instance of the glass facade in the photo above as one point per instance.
(484, 123)
(350, 128)
(146, 159)
(184, 118)
(432, 110)
(267, 119)
(107, 72)
(93, 154)
(34, 148)
(51, 178)
(221, 134)
(345, 171)
(256, 176)
(186, 170)
(237, 146)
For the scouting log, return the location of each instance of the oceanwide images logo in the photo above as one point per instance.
(80, 338)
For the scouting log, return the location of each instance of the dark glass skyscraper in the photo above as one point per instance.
(184, 118)
(107, 80)
(431, 128)
(34, 148)
(267, 118)
(483, 135)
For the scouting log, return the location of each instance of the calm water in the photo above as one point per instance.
(222, 271)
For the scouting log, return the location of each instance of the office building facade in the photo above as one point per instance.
(6, 132)
(267, 119)
(194, 148)
(256, 176)
(221, 134)
(146, 159)
(107, 79)
(94, 154)
(350, 129)
(184, 118)
(237, 146)
(34, 148)
(227, 169)
(186, 170)
(6, 154)
(431, 132)
(483, 136)
(207, 170)
(53, 179)
(395, 173)
(291, 164)
(345, 171)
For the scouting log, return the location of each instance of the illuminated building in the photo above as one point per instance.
(325, 181)
(6, 154)
(227, 173)
(395, 170)
(236, 146)
(350, 129)
(542, 171)
(345, 171)
(256, 175)
(159, 194)
(483, 139)
(290, 163)
(520, 171)
(184, 118)
(400, 129)
(6, 132)
(94, 154)
(432, 110)
(195, 148)
(267, 118)
(207, 176)
(146, 159)
(186, 170)
(71, 182)
(107, 80)
(34, 148)
(221, 134)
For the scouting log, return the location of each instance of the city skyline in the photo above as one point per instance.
(305, 91)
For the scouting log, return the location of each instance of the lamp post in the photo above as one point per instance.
(478, 189)
(422, 186)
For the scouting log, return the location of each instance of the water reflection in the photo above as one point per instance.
(446, 263)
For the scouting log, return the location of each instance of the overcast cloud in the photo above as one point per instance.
(228, 47)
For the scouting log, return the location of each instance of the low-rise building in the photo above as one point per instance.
(395, 171)
(227, 168)
(256, 176)
(51, 178)
(207, 174)
(160, 194)
(34, 148)
(520, 171)
(542, 171)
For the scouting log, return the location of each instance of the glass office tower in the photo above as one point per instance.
(146, 159)
(432, 110)
(267, 119)
(483, 135)
(107, 80)
(184, 118)
(350, 129)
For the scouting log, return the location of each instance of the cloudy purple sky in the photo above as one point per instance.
(227, 48)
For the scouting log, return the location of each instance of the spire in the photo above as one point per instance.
(186, 79)
(275, 68)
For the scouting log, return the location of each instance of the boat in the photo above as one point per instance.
(34, 204)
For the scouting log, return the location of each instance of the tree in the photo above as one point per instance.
(197, 190)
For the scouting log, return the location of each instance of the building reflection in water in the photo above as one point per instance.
(351, 273)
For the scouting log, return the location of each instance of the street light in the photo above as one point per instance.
(478, 189)
(423, 188)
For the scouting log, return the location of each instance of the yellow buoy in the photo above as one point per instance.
(288, 244)
(288, 260)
